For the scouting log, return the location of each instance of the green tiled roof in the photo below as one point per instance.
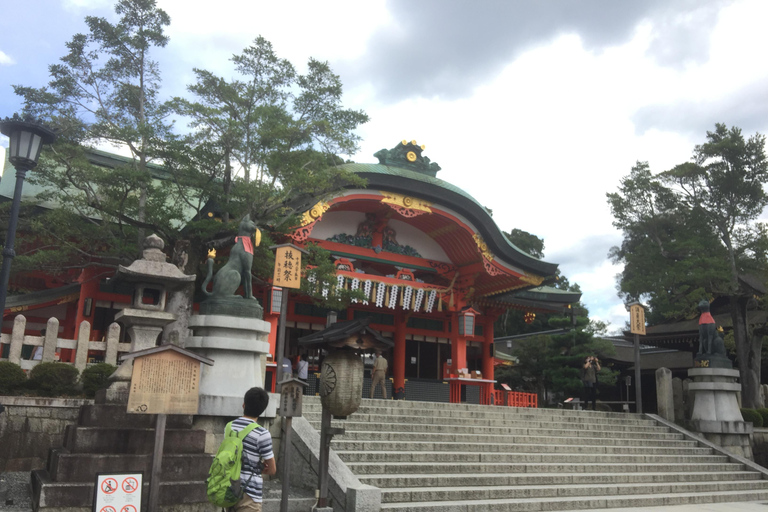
(405, 173)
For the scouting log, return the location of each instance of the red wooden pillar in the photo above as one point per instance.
(488, 351)
(488, 348)
(458, 345)
(398, 359)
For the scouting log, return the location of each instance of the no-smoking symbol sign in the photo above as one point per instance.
(130, 484)
(109, 485)
(128, 508)
(108, 509)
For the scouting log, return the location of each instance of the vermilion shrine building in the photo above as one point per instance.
(435, 269)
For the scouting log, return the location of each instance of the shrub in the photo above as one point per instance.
(764, 413)
(96, 377)
(53, 379)
(11, 377)
(752, 416)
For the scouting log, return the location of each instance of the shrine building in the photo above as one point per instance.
(434, 268)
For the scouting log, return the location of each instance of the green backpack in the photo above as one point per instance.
(223, 484)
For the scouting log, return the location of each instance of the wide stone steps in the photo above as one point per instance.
(586, 430)
(514, 458)
(522, 479)
(477, 493)
(586, 438)
(469, 458)
(374, 468)
(579, 503)
(518, 447)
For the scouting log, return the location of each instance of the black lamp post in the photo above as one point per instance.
(27, 139)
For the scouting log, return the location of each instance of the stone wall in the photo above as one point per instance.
(30, 426)
(760, 446)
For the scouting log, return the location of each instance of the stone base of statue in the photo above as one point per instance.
(716, 413)
(232, 305)
(238, 347)
(711, 361)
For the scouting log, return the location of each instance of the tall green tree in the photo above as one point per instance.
(551, 363)
(690, 232)
(264, 143)
(105, 91)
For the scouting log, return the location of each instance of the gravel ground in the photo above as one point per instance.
(15, 492)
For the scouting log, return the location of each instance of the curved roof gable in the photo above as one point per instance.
(404, 170)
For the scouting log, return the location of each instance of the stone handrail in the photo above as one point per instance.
(51, 343)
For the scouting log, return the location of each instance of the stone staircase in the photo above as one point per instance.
(459, 457)
(108, 440)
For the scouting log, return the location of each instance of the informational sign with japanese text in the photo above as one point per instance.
(164, 383)
(290, 400)
(636, 319)
(118, 492)
(287, 267)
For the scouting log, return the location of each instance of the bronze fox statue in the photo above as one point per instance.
(237, 271)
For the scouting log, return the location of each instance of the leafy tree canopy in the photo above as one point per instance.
(691, 231)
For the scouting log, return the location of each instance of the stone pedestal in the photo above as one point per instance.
(716, 412)
(237, 347)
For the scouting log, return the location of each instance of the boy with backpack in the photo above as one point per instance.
(246, 452)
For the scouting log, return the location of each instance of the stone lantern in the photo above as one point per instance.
(152, 278)
(341, 373)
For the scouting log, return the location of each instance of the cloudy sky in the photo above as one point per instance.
(536, 108)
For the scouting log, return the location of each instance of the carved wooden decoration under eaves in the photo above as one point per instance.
(406, 206)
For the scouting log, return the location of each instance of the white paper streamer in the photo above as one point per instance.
(431, 301)
(407, 293)
(380, 289)
(393, 297)
(367, 291)
(354, 286)
(417, 300)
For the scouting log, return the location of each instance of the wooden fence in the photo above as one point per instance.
(51, 343)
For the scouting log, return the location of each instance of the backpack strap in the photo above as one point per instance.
(241, 434)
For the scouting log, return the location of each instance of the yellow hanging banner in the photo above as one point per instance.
(637, 319)
(287, 267)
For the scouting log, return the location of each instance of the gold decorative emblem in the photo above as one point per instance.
(314, 213)
(411, 156)
(482, 247)
(411, 203)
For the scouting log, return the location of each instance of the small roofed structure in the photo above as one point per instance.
(355, 334)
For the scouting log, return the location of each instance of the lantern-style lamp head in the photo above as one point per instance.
(27, 139)
(467, 322)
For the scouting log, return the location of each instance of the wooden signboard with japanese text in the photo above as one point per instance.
(287, 267)
(164, 383)
(637, 319)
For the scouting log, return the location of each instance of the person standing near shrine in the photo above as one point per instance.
(377, 375)
(589, 378)
(302, 370)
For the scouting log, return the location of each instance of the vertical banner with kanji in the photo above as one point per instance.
(636, 319)
(287, 267)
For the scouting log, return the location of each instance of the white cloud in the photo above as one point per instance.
(6, 60)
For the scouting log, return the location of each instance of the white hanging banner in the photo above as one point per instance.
(418, 299)
(393, 297)
(367, 291)
(354, 286)
(407, 294)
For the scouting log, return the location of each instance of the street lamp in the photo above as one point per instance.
(27, 139)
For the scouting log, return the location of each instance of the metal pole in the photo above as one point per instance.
(325, 449)
(281, 336)
(157, 464)
(286, 473)
(10, 238)
(638, 390)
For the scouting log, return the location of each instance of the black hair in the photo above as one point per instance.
(255, 402)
